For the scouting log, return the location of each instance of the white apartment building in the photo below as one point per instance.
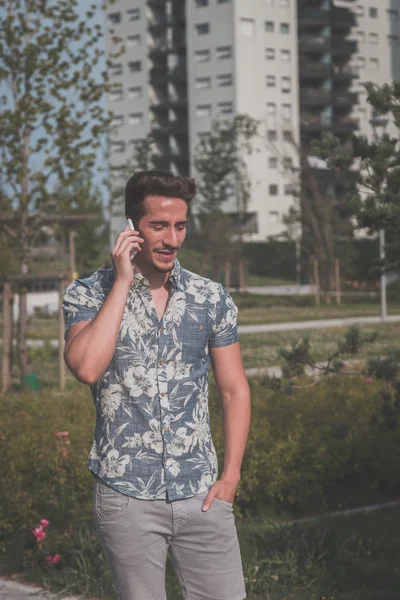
(282, 62)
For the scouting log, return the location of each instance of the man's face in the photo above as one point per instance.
(163, 228)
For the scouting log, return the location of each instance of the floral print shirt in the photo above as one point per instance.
(152, 438)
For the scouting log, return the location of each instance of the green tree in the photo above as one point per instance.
(375, 165)
(222, 173)
(51, 113)
(81, 197)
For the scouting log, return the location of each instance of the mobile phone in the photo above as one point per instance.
(131, 226)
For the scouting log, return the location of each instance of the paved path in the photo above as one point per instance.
(14, 590)
(320, 324)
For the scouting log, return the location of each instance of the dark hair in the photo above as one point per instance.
(155, 183)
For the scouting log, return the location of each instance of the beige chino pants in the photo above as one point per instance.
(137, 535)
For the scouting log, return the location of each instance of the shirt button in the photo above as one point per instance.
(149, 299)
(201, 327)
(161, 362)
(160, 330)
(166, 428)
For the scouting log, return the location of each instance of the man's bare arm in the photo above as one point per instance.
(232, 383)
(90, 345)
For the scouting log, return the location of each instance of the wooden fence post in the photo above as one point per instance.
(316, 281)
(7, 336)
(337, 278)
(227, 273)
(61, 362)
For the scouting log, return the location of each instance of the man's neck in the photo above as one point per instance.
(156, 279)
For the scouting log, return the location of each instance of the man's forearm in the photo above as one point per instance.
(236, 410)
(91, 350)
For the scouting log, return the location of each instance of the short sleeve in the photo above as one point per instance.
(225, 330)
(81, 302)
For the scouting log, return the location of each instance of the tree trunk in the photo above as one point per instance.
(6, 366)
(22, 347)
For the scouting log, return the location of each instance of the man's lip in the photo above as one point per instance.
(166, 253)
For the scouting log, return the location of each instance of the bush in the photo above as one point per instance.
(325, 447)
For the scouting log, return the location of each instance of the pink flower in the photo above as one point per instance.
(368, 380)
(44, 522)
(53, 560)
(39, 533)
(62, 434)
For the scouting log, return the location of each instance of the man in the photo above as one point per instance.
(143, 335)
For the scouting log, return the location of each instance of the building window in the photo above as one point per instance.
(269, 26)
(200, 3)
(360, 62)
(117, 121)
(287, 162)
(202, 28)
(285, 28)
(285, 3)
(287, 111)
(225, 108)
(247, 26)
(203, 83)
(224, 52)
(273, 162)
(135, 92)
(136, 119)
(202, 55)
(203, 110)
(135, 66)
(116, 94)
(285, 55)
(374, 64)
(360, 36)
(271, 109)
(270, 80)
(373, 38)
(134, 40)
(223, 1)
(373, 13)
(117, 147)
(288, 189)
(272, 135)
(393, 39)
(270, 53)
(224, 80)
(133, 14)
(273, 190)
(273, 214)
(286, 85)
(116, 69)
(287, 135)
(114, 18)
(393, 14)
(359, 10)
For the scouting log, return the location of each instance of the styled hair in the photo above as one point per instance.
(155, 183)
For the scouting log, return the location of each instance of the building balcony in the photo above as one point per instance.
(176, 128)
(345, 98)
(156, 24)
(314, 44)
(344, 73)
(343, 18)
(160, 48)
(315, 97)
(314, 70)
(160, 75)
(317, 123)
(163, 104)
(313, 16)
(343, 46)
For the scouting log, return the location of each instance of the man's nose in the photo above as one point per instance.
(171, 238)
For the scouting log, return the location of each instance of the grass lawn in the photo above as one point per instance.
(262, 349)
(269, 309)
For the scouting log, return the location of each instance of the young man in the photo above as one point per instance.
(143, 335)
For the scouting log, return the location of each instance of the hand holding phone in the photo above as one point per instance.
(130, 225)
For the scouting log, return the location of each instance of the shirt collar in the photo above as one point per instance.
(175, 277)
